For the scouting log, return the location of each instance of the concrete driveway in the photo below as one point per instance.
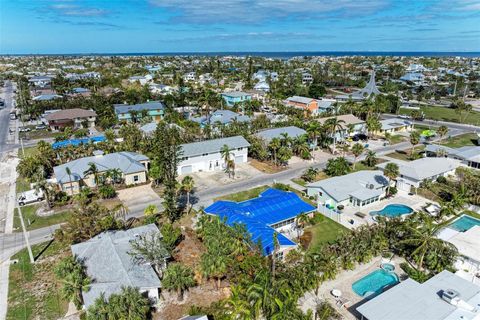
(136, 199)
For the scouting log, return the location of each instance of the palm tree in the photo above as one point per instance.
(214, 266)
(442, 131)
(276, 246)
(43, 185)
(187, 186)
(179, 278)
(115, 175)
(371, 158)
(313, 130)
(92, 170)
(238, 308)
(391, 171)
(357, 150)
(128, 304)
(74, 280)
(302, 220)
(334, 125)
(423, 237)
(69, 172)
(274, 145)
(414, 140)
(226, 153)
(150, 210)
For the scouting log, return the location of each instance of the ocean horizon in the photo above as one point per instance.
(269, 54)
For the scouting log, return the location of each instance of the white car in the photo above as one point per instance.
(30, 196)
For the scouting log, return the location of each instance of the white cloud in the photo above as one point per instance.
(253, 11)
(69, 8)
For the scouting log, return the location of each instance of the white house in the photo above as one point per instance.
(206, 155)
(262, 86)
(347, 121)
(358, 189)
(191, 76)
(395, 125)
(143, 80)
(412, 173)
(469, 155)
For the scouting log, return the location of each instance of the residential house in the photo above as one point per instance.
(233, 97)
(143, 80)
(325, 105)
(109, 263)
(40, 81)
(222, 117)
(412, 173)
(414, 67)
(76, 118)
(445, 296)
(46, 97)
(83, 76)
(417, 79)
(395, 125)
(291, 131)
(350, 125)
(133, 167)
(273, 211)
(190, 76)
(307, 78)
(469, 155)
(307, 104)
(161, 89)
(134, 112)
(206, 155)
(262, 86)
(357, 189)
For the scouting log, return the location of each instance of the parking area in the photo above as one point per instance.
(136, 199)
(205, 180)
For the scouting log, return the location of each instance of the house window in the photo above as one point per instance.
(279, 256)
(135, 178)
(184, 158)
(240, 149)
(205, 154)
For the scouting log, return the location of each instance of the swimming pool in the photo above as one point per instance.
(374, 282)
(392, 210)
(464, 223)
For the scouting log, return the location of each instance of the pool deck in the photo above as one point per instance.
(343, 282)
(413, 201)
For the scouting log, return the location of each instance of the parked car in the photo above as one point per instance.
(30, 196)
(24, 129)
(40, 127)
(359, 137)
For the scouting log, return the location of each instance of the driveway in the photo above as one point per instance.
(136, 199)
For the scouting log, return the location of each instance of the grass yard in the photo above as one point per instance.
(33, 291)
(29, 151)
(32, 221)
(466, 139)
(320, 176)
(447, 114)
(394, 139)
(405, 154)
(22, 185)
(243, 195)
(472, 214)
(265, 167)
(322, 232)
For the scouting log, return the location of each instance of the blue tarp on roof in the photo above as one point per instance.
(271, 207)
(76, 142)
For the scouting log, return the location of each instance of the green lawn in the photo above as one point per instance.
(29, 151)
(22, 185)
(33, 292)
(472, 214)
(320, 176)
(243, 195)
(394, 139)
(324, 231)
(404, 154)
(32, 221)
(466, 139)
(447, 114)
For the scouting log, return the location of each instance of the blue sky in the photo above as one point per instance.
(110, 26)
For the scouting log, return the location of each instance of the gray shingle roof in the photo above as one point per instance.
(424, 168)
(299, 99)
(109, 264)
(212, 146)
(125, 108)
(342, 187)
(414, 301)
(127, 162)
(292, 131)
(70, 114)
(388, 124)
(469, 153)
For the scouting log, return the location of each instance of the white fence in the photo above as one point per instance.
(329, 213)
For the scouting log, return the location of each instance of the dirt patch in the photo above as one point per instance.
(266, 167)
(306, 239)
(189, 250)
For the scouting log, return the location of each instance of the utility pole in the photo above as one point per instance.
(27, 242)
(21, 144)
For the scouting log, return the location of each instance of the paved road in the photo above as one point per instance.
(7, 94)
(435, 123)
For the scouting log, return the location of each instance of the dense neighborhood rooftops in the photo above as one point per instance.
(414, 301)
(424, 168)
(258, 214)
(302, 100)
(212, 146)
(362, 185)
(291, 131)
(109, 264)
(125, 108)
(70, 114)
(127, 162)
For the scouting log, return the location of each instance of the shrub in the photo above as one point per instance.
(442, 179)
(107, 192)
(392, 191)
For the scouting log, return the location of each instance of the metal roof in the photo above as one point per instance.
(257, 214)
(235, 94)
(424, 168)
(125, 108)
(109, 264)
(127, 162)
(298, 99)
(212, 146)
(354, 184)
(414, 301)
(223, 117)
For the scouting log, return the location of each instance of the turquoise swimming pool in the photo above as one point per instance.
(464, 223)
(374, 282)
(392, 211)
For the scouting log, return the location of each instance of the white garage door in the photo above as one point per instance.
(186, 170)
(238, 159)
(403, 185)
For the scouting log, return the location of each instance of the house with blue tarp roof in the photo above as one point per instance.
(273, 211)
